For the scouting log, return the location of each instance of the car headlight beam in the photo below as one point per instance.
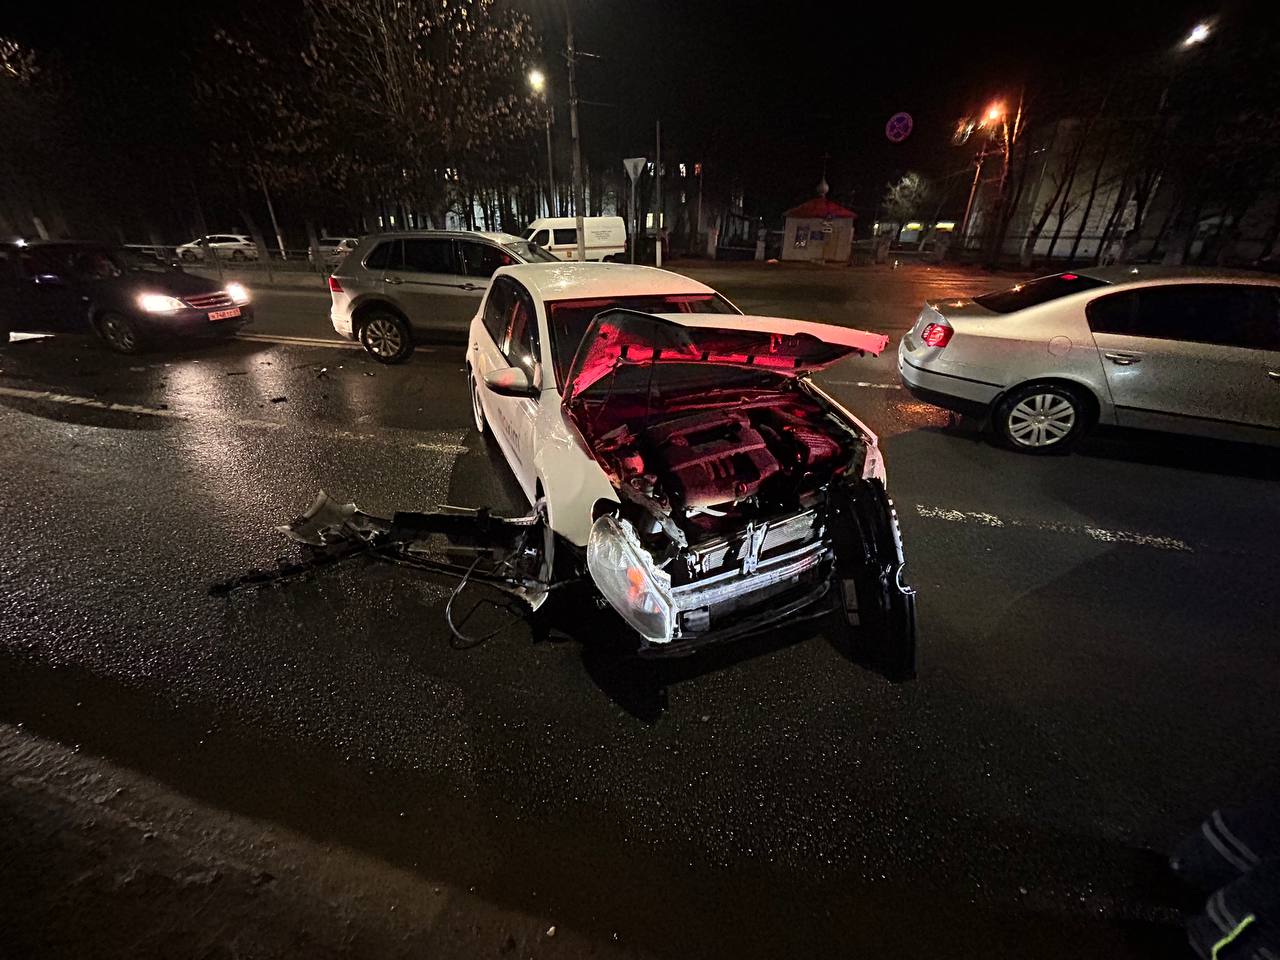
(160, 303)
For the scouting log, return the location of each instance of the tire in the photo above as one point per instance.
(188, 256)
(477, 411)
(237, 255)
(1041, 418)
(119, 333)
(386, 337)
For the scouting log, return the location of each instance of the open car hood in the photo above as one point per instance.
(792, 348)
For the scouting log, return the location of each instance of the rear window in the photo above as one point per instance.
(567, 320)
(1035, 292)
(383, 255)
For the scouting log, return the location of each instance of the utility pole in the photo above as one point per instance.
(573, 133)
(657, 215)
(698, 230)
(968, 207)
(551, 171)
(262, 182)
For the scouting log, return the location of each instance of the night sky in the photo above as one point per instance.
(766, 88)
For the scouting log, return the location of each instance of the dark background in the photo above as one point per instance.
(758, 91)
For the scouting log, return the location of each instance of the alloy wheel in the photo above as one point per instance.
(382, 337)
(1041, 420)
(118, 333)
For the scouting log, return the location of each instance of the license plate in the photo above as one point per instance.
(225, 314)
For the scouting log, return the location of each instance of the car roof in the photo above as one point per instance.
(584, 281)
(1157, 273)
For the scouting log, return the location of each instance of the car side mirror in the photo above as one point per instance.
(510, 382)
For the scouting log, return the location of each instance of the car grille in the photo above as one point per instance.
(210, 301)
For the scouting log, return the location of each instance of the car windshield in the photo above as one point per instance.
(568, 319)
(529, 252)
(1035, 292)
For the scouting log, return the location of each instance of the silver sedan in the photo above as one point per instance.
(1134, 347)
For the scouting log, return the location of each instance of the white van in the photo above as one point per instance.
(606, 237)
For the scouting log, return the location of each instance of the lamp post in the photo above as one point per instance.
(538, 81)
(571, 57)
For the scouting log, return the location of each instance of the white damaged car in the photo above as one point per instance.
(675, 455)
(680, 452)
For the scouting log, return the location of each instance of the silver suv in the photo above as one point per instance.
(395, 288)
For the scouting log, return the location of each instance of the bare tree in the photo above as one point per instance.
(905, 198)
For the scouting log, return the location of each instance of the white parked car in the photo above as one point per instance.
(684, 460)
(1184, 352)
(330, 250)
(225, 246)
(604, 238)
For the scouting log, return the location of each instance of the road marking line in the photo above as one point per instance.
(1075, 529)
(451, 448)
(307, 341)
(863, 383)
(314, 342)
(71, 400)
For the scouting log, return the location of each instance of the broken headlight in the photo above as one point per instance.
(624, 573)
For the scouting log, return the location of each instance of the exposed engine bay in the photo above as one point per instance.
(726, 513)
(715, 469)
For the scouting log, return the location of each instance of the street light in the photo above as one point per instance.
(1199, 34)
(538, 82)
(995, 112)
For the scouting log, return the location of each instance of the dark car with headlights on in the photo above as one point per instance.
(54, 286)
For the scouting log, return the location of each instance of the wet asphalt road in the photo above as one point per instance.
(1097, 638)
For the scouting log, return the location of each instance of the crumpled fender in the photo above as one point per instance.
(579, 481)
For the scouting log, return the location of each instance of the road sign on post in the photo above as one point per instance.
(899, 127)
(634, 166)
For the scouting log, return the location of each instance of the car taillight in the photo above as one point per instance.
(937, 334)
(334, 285)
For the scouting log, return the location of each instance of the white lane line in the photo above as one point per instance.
(446, 446)
(1073, 529)
(863, 383)
(305, 341)
(313, 342)
(75, 401)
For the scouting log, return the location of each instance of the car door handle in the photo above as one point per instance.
(469, 286)
(395, 281)
(1274, 374)
(1123, 359)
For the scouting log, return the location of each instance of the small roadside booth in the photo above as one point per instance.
(819, 230)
